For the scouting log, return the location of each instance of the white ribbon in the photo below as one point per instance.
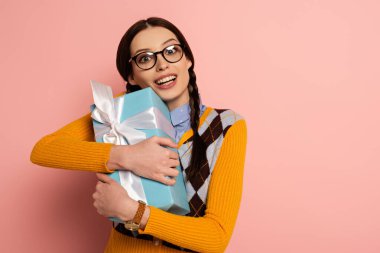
(108, 112)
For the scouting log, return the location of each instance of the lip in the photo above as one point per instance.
(163, 76)
(164, 87)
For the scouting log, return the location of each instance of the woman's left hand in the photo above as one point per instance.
(112, 200)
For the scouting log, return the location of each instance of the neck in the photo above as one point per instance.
(172, 107)
(177, 103)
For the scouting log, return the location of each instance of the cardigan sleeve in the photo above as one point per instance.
(212, 232)
(73, 147)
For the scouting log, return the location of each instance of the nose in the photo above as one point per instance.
(161, 63)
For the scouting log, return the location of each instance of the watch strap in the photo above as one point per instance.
(139, 213)
(134, 224)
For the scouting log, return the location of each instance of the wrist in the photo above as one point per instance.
(129, 212)
(139, 217)
(112, 162)
(118, 157)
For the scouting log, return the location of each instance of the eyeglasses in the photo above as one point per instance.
(147, 60)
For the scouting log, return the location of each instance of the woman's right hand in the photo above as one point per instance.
(147, 159)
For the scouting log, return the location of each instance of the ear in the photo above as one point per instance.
(188, 63)
(131, 80)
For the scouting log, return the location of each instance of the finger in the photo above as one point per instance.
(98, 185)
(173, 155)
(104, 178)
(100, 211)
(166, 142)
(168, 181)
(172, 172)
(173, 163)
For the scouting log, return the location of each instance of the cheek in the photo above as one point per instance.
(183, 70)
(185, 74)
(143, 79)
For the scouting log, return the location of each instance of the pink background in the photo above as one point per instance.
(304, 73)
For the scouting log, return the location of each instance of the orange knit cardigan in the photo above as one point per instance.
(73, 147)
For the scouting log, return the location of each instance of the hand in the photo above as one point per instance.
(147, 159)
(112, 200)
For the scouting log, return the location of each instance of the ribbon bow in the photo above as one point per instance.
(121, 133)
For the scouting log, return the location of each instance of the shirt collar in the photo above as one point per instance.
(182, 113)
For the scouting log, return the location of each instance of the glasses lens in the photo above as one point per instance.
(173, 53)
(145, 60)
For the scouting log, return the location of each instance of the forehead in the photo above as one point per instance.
(151, 38)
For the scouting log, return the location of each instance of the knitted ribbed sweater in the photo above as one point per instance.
(73, 147)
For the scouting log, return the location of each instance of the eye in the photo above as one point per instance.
(144, 58)
(171, 50)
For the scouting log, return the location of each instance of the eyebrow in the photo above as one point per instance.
(147, 49)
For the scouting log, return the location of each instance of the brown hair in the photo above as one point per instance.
(125, 69)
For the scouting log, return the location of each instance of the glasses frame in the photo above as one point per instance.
(155, 56)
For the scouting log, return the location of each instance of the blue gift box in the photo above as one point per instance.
(139, 115)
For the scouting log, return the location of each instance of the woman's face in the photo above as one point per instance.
(173, 93)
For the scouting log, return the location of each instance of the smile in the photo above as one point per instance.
(166, 80)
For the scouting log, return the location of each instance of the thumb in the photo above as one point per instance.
(104, 178)
(167, 142)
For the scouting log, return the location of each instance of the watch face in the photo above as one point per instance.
(130, 225)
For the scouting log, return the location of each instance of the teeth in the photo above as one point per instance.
(166, 79)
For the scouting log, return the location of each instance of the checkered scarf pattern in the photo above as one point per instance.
(212, 132)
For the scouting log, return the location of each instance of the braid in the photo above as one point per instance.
(194, 101)
(199, 149)
(131, 88)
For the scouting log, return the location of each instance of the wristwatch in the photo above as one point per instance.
(134, 224)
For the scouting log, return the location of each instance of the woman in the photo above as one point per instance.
(211, 146)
